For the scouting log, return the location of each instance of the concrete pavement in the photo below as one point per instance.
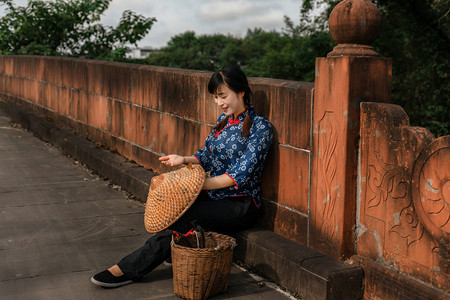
(60, 224)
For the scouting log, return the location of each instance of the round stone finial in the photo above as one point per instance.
(354, 25)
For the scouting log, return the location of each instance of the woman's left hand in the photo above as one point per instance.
(172, 160)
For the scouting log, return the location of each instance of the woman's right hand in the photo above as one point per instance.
(172, 160)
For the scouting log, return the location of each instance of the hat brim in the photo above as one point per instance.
(170, 196)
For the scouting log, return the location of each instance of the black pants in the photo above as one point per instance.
(227, 215)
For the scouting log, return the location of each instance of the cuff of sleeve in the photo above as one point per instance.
(197, 159)
(236, 184)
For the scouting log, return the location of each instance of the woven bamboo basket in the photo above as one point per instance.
(199, 273)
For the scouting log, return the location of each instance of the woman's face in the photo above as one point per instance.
(230, 102)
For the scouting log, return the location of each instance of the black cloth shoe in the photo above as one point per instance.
(106, 279)
(168, 262)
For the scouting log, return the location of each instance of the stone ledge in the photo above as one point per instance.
(302, 270)
(383, 282)
(299, 269)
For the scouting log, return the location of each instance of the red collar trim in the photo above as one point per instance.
(231, 121)
(240, 114)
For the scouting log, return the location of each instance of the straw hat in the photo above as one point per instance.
(170, 196)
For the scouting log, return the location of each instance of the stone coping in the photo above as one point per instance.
(301, 270)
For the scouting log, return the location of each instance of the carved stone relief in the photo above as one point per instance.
(327, 195)
(404, 201)
(388, 190)
(431, 189)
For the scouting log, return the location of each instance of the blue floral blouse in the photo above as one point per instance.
(241, 158)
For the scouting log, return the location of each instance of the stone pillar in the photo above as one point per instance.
(352, 73)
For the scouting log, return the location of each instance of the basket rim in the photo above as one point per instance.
(225, 243)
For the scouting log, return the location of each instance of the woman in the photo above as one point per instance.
(234, 154)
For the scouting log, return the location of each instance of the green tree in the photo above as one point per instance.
(288, 55)
(256, 47)
(416, 35)
(205, 52)
(68, 28)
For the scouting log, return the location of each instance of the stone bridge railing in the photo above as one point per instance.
(144, 112)
(346, 175)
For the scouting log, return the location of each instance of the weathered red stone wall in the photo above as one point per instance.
(143, 112)
(403, 220)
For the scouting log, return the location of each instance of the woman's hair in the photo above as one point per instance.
(235, 80)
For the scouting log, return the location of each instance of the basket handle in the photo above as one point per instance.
(233, 244)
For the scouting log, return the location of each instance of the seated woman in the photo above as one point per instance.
(234, 154)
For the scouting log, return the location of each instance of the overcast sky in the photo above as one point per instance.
(201, 16)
